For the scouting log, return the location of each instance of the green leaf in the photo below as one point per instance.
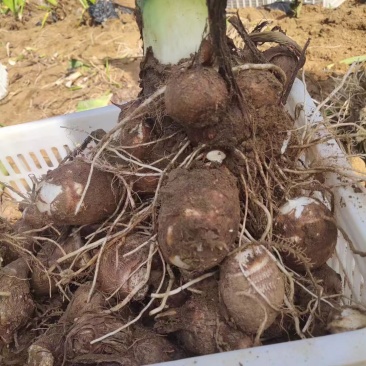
(93, 103)
(75, 87)
(52, 2)
(85, 4)
(15, 6)
(11, 5)
(74, 64)
(4, 10)
(351, 60)
(44, 20)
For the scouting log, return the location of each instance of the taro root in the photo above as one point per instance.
(32, 218)
(195, 97)
(16, 303)
(199, 217)
(43, 284)
(282, 57)
(134, 134)
(119, 274)
(16, 352)
(201, 329)
(8, 236)
(80, 305)
(309, 229)
(173, 301)
(206, 53)
(281, 330)
(151, 348)
(260, 87)
(231, 131)
(246, 280)
(329, 279)
(145, 184)
(90, 326)
(14, 240)
(59, 193)
(328, 284)
(346, 319)
(49, 347)
(163, 148)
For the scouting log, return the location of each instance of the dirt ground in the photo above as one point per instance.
(40, 59)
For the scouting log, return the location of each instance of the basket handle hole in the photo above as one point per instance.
(57, 154)
(25, 185)
(68, 150)
(15, 186)
(24, 162)
(13, 164)
(35, 160)
(46, 158)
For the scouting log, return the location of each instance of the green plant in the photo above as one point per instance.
(86, 3)
(16, 7)
(296, 7)
(49, 8)
(85, 105)
(158, 16)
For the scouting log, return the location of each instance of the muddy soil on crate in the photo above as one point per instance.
(39, 59)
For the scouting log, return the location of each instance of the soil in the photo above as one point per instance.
(38, 58)
(335, 35)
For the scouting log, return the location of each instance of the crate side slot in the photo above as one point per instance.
(32, 161)
(17, 186)
(42, 162)
(49, 158)
(57, 154)
(10, 170)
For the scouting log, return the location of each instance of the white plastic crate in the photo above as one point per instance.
(36, 147)
(237, 4)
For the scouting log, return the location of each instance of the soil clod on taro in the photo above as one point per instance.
(186, 229)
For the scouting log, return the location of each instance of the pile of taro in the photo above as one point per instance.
(193, 227)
